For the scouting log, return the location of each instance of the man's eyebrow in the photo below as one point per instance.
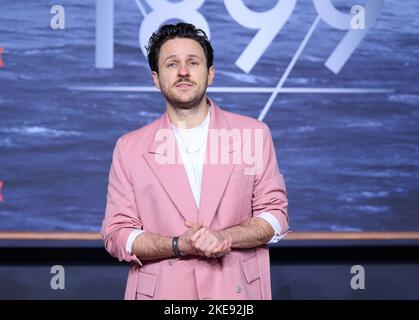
(193, 56)
(169, 57)
(175, 56)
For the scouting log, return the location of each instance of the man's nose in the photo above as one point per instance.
(183, 70)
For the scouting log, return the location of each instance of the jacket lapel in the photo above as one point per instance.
(216, 171)
(164, 160)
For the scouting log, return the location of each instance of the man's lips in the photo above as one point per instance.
(184, 85)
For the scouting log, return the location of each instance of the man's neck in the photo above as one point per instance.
(188, 118)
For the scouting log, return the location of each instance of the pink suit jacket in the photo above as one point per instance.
(145, 194)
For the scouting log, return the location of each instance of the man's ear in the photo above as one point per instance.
(211, 75)
(156, 79)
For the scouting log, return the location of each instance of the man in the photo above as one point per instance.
(191, 214)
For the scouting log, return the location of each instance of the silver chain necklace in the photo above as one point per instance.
(202, 137)
(187, 147)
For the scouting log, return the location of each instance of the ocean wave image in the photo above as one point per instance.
(346, 133)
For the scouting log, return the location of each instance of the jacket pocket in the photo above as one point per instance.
(251, 269)
(146, 284)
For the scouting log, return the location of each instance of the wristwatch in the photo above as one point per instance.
(175, 247)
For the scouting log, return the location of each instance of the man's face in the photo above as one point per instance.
(183, 76)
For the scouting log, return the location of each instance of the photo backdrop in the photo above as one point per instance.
(342, 102)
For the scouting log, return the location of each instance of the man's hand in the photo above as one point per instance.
(185, 242)
(211, 243)
(201, 241)
(223, 249)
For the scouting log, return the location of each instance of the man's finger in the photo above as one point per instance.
(198, 243)
(223, 252)
(188, 224)
(221, 247)
(210, 249)
(192, 225)
(197, 234)
(216, 249)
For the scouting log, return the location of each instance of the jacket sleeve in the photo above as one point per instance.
(121, 216)
(269, 193)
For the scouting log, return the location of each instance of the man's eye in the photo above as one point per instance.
(171, 65)
(194, 63)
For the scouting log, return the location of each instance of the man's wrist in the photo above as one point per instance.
(182, 245)
(226, 235)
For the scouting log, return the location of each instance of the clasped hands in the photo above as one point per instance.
(203, 241)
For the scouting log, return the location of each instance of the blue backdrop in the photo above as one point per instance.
(346, 131)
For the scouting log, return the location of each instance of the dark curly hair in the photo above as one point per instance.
(180, 30)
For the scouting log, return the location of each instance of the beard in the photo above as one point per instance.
(186, 104)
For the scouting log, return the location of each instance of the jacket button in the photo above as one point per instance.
(238, 289)
(171, 262)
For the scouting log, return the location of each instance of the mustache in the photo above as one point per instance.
(184, 80)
